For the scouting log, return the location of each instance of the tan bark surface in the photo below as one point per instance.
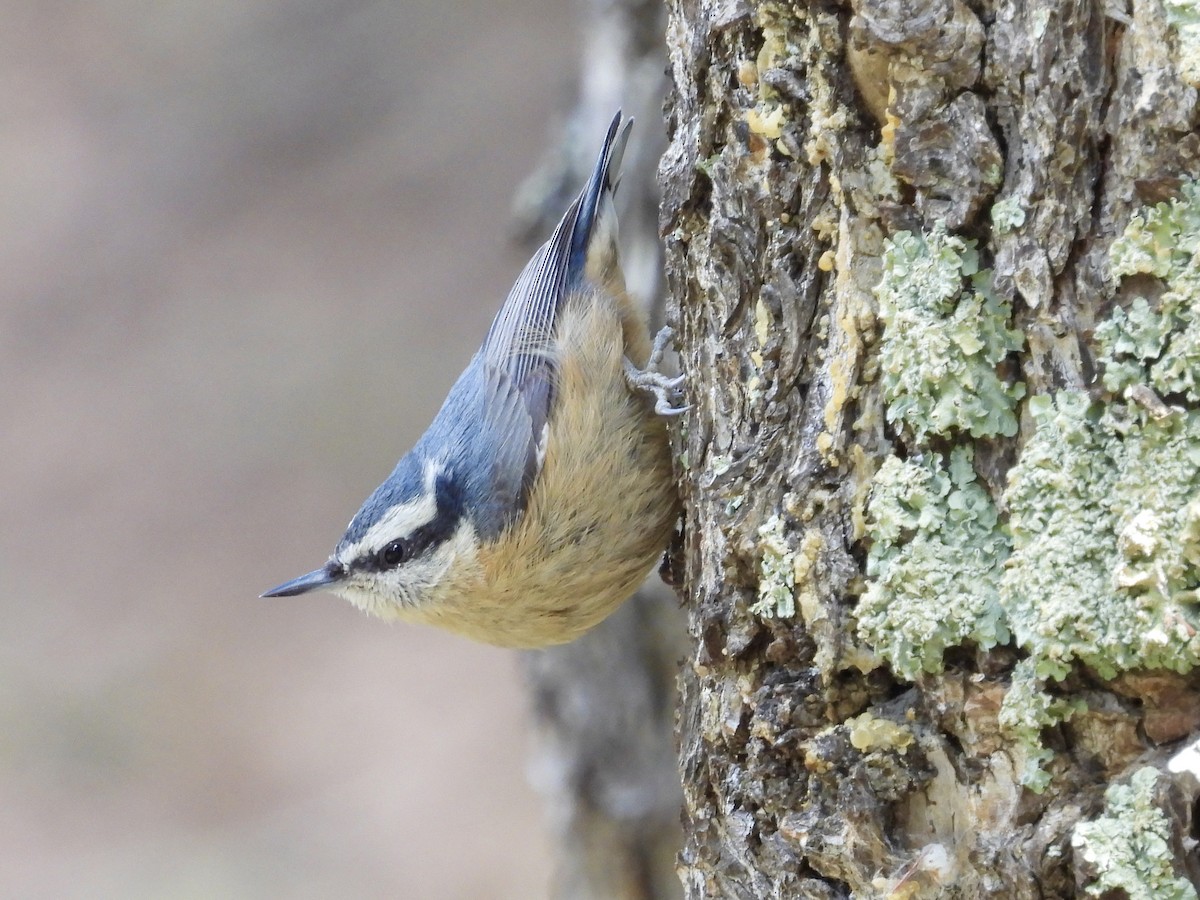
(803, 138)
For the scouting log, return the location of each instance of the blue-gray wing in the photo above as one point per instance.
(485, 435)
(516, 362)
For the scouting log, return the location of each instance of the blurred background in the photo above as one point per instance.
(246, 247)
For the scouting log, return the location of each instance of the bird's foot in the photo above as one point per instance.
(666, 389)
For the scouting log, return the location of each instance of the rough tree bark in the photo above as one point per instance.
(934, 267)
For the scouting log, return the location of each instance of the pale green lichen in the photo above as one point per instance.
(1129, 848)
(1156, 342)
(936, 548)
(1157, 504)
(1162, 239)
(1057, 586)
(945, 332)
(1104, 510)
(1007, 214)
(1104, 503)
(1104, 516)
(777, 572)
(1105, 520)
(1027, 710)
(1184, 17)
(1104, 506)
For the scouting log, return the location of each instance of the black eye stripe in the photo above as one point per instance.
(402, 550)
(438, 530)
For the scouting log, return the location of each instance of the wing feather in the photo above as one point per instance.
(518, 353)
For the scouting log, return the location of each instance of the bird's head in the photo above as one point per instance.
(401, 546)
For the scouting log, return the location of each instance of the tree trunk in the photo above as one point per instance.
(935, 270)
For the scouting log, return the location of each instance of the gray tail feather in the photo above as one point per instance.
(604, 179)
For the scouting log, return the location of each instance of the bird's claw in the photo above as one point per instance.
(667, 389)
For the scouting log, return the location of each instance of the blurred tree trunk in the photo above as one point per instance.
(899, 249)
(604, 707)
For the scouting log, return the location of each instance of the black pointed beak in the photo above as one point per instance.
(330, 573)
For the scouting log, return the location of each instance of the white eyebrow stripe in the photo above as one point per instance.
(398, 522)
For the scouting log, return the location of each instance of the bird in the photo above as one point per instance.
(542, 494)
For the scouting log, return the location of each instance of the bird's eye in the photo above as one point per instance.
(393, 554)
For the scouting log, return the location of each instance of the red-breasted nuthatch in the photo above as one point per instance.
(542, 494)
